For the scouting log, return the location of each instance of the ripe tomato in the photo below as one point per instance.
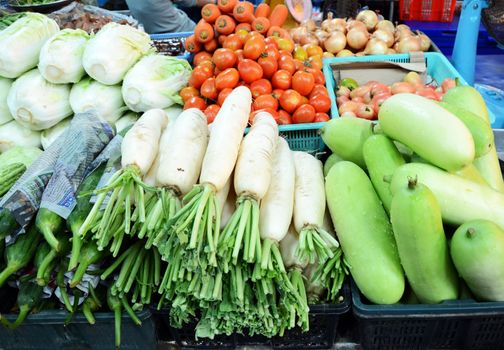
(316, 62)
(285, 44)
(313, 50)
(319, 76)
(304, 114)
(254, 47)
(318, 89)
(249, 70)
(211, 112)
(285, 53)
(239, 55)
(284, 118)
(281, 79)
(270, 40)
(265, 101)
(269, 65)
(321, 103)
(253, 114)
(277, 93)
(195, 102)
(233, 42)
(287, 63)
(260, 87)
(272, 51)
(207, 63)
(188, 92)
(290, 100)
(199, 75)
(224, 58)
(300, 65)
(200, 57)
(222, 95)
(303, 82)
(209, 90)
(221, 39)
(321, 117)
(227, 79)
(304, 100)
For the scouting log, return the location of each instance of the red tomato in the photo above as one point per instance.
(299, 64)
(227, 79)
(222, 95)
(272, 51)
(319, 76)
(321, 103)
(250, 71)
(281, 79)
(284, 53)
(277, 93)
(221, 39)
(211, 112)
(224, 58)
(239, 55)
(284, 118)
(318, 89)
(304, 114)
(188, 92)
(269, 65)
(290, 100)
(321, 117)
(199, 75)
(304, 100)
(303, 82)
(212, 45)
(253, 114)
(208, 64)
(200, 57)
(209, 90)
(316, 62)
(254, 47)
(260, 87)
(270, 40)
(195, 102)
(287, 63)
(233, 42)
(265, 101)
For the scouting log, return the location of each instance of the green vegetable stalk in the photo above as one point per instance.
(331, 274)
(48, 262)
(116, 304)
(88, 255)
(49, 223)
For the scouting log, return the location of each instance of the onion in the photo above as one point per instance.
(298, 33)
(396, 47)
(403, 27)
(400, 35)
(321, 35)
(309, 39)
(357, 38)
(391, 52)
(409, 44)
(309, 24)
(360, 53)
(336, 42)
(386, 25)
(369, 18)
(327, 54)
(425, 41)
(345, 53)
(354, 24)
(329, 24)
(385, 36)
(376, 46)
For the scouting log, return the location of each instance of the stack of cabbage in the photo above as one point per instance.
(47, 75)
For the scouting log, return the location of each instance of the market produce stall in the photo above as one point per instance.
(244, 184)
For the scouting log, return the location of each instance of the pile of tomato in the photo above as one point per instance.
(291, 89)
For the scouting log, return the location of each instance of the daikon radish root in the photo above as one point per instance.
(197, 224)
(127, 190)
(181, 152)
(229, 205)
(252, 178)
(314, 289)
(309, 209)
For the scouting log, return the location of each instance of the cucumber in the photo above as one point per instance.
(8, 223)
(461, 200)
(477, 249)
(9, 175)
(346, 136)
(421, 241)
(469, 98)
(382, 159)
(365, 233)
(421, 124)
(331, 160)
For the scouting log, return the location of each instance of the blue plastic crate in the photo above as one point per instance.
(160, 38)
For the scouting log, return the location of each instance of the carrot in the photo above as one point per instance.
(192, 45)
(226, 6)
(212, 45)
(203, 32)
(224, 24)
(279, 15)
(277, 31)
(262, 10)
(261, 24)
(243, 12)
(210, 12)
(244, 26)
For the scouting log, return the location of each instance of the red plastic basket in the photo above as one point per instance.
(427, 10)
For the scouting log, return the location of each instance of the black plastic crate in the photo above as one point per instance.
(458, 324)
(46, 331)
(324, 320)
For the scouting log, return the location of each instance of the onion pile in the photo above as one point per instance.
(364, 35)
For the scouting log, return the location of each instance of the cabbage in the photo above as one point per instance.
(113, 51)
(155, 82)
(36, 103)
(13, 134)
(21, 42)
(48, 136)
(25, 155)
(105, 99)
(129, 118)
(61, 56)
(5, 115)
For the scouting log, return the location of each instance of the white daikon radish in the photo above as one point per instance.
(251, 181)
(229, 205)
(309, 209)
